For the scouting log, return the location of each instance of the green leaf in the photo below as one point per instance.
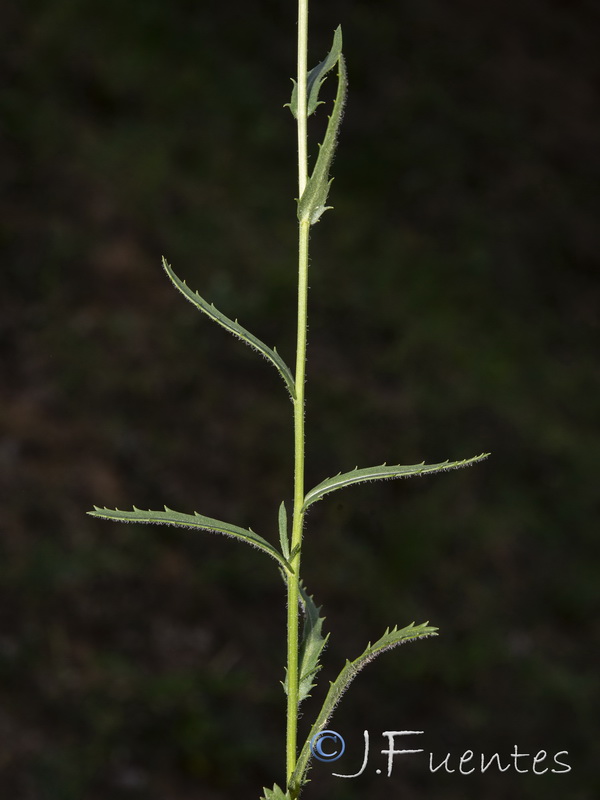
(195, 521)
(391, 638)
(275, 794)
(283, 532)
(313, 643)
(233, 327)
(311, 647)
(312, 203)
(316, 77)
(383, 472)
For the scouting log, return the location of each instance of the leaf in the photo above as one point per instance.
(195, 521)
(383, 472)
(311, 647)
(233, 327)
(316, 77)
(283, 532)
(276, 793)
(312, 203)
(391, 638)
(313, 643)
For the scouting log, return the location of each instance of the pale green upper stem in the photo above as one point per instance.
(297, 524)
(302, 99)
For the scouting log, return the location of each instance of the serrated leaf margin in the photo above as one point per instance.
(233, 327)
(391, 638)
(196, 522)
(382, 472)
(316, 77)
(276, 793)
(311, 205)
(312, 645)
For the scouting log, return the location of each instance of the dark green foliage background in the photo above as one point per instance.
(454, 309)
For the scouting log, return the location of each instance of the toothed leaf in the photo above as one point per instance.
(311, 647)
(233, 327)
(313, 643)
(383, 472)
(275, 794)
(312, 203)
(391, 638)
(316, 77)
(195, 521)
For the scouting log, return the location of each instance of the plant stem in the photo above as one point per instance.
(298, 517)
(301, 113)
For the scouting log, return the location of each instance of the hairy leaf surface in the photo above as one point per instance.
(313, 643)
(284, 538)
(312, 203)
(276, 793)
(384, 472)
(391, 638)
(316, 76)
(311, 647)
(233, 327)
(195, 521)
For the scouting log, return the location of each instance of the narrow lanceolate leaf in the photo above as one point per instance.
(195, 521)
(316, 77)
(312, 203)
(313, 643)
(233, 327)
(284, 538)
(391, 638)
(311, 647)
(276, 793)
(383, 472)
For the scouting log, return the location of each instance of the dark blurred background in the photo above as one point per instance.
(454, 310)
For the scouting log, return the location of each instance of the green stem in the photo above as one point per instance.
(298, 518)
(302, 99)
